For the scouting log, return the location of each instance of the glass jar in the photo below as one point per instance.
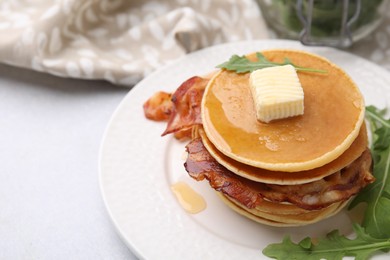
(336, 23)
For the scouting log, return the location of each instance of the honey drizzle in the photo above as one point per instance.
(189, 199)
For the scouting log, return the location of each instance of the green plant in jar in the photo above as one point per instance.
(327, 15)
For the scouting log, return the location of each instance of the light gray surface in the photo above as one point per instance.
(50, 133)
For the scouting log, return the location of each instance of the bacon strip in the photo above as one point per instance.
(159, 106)
(186, 105)
(315, 195)
(201, 165)
(181, 109)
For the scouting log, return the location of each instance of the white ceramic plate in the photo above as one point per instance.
(138, 167)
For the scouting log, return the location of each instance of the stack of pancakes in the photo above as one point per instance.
(291, 171)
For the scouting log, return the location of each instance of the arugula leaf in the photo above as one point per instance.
(377, 195)
(334, 246)
(242, 64)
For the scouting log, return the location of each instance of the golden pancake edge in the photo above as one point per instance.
(286, 178)
(282, 220)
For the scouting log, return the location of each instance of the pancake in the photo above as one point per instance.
(334, 113)
(287, 178)
(282, 220)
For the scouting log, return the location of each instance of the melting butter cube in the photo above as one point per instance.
(277, 93)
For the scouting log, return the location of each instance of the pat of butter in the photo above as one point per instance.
(277, 93)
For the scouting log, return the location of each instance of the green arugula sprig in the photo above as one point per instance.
(333, 246)
(377, 195)
(241, 64)
(374, 234)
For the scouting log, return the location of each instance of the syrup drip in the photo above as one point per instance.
(189, 199)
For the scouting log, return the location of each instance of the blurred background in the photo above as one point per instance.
(123, 41)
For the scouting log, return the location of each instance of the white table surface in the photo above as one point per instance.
(50, 133)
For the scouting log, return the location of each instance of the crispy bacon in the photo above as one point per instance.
(159, 106)
(186, 105)
(181, 109)
(314, 195)
(201, 165)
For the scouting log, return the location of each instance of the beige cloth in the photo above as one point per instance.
(120, 40)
